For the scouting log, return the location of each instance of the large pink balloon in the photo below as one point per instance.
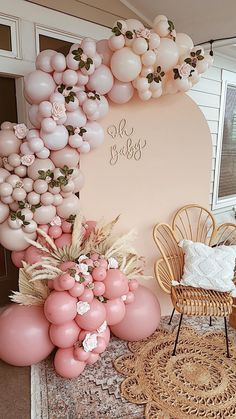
(94, 134)
(115, 311)
(167, 54)
(125, 64)
(66, 365)
(57, 139)
(24, 338)
(142, 317)
(116, 284)
(64, 335)
(93, 318)
(14, 239)
(4, 212)
(104, 50)
(9, 144)
(101, 80)
(33, 255)
(121, 92)
(44, 214)
(67, 156)
(60, 307)
(39, 164)
(17, 258)
(70, 205)
(39, 86)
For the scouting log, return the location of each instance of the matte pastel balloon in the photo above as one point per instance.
(115, 310)
(45, 109)
(101, 80)
(70, 205)
(34, 116)
(99, 273)
(134, 24)
(116, 42)
(58, 62)
(3, 173)
(76, 118)
(17, 258)
(48, 125)
(43, 60)
(116, 284)
(125, 64)
(101, 345)
(57, 139)
(39, 86)
(77, 290)
(66, 281)
(104, 50)
(89, 46)
(8, 143)
(43, 154)
(44, 214)
(87, 295)
(167, 55)
(92, 359)
(67, 156)
(24, 335)
(94, 134)
(33, 255)
(66, 365)
(55, 232)
(64, 240)
(80, 354)
(121, 92)
(39, 164)
(93, 318)
(142, 317)
(14, 239)
(36, 144)
(69, 77)
(184, 43)
(60, 307)
(4, 212)
(64, 335)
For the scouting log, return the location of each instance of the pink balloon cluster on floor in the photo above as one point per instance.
(39, 174)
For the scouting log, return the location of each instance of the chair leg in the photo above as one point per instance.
(210, 323)
(226, 338)
(171, 317)
(177, 336)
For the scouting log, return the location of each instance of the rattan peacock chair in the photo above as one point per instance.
(195, 223)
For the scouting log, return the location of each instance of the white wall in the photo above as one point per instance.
(207, 94)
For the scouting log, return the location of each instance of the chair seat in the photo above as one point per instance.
(201, 302)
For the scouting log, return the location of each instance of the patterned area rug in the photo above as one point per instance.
(199, 374)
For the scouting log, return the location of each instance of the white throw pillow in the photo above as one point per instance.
(208, 267)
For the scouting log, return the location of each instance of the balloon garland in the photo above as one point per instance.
(40, 176)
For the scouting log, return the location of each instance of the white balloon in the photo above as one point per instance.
(184, 43)
(140, 46)
(149, 58)
(121, 92)
(158, 18)
(116, 42)
(125, 64)
(142, 84)
(145, 95)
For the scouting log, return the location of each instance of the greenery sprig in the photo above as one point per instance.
(71, 95)
(78, 57)
(117, 30)
(93, 95)
(16, 215)
(171, 28)
(71, 219)
(194, 58)
(157, 76)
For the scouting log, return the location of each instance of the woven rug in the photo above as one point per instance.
(200, 381)
(96, 394)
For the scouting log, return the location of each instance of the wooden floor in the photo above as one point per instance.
(14, 392)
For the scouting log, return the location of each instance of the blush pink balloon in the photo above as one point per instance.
(116, 284)
(9, 144)
(66, 282)
(66, 227)
(39, 86)
(57, 139)
(101, 345)
(64, 240)
(129, 298)
(17, 258)
(43, 60)
(121, 92)
(64, 266)
(55, 232)
(44, 214)
(67, 156)
(101, 80)
(93, 318)
(80, 354)
(99, 273)
(58, 62)
(104, 50)
(14, 239)
(92, 358)
(77, 290)
(24, 335)
(70, 205)
(99, 288)
(60, 307)
(33, 255)
(34, 116)
(115, 310)
(64, 335)
(66, 365)
(87, 295)
(76, 118)
(94, 134)
(142, 317)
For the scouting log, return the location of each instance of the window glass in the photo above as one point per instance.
(227, 180)
(59, 45)
(5, 37)
(8, 109)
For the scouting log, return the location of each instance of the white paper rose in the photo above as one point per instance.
(83, 268)
(90, 342)
(81, 258)
(56, 221)
(82, 307)
(102, 328)
(27, 159)
(20, 131)
(58, 111)
(124, 297)
(184, 70)
(112, 263)
(143, 33)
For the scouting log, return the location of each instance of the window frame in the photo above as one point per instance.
(13, 23)
(228, 78)
(55, 34)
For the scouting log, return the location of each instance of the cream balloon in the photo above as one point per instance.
(44, 214)
(116, 42)
(184, 43)
(67, 156)
(121, 92)
(39, 164)
(167, 54)
(104, 50)
(14, 239)
(9, 143)
(57, 139)
(125, 64)
(70, 205)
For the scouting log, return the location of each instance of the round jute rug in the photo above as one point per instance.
(200, 381)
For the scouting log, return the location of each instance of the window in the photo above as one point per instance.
(9, 37)
(54, 39)
(225, 174)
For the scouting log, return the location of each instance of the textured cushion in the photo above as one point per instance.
(207, 267)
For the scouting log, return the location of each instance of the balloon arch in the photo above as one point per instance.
(84, 282)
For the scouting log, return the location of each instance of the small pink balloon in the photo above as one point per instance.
(99, 274)
(67, 156)
(66, 281)
(70, 205)
(58, 62)
(81, 355)
(103, 263)
(115, 310)
(64, 335)
(24, 335)
(92, 358)
(69, 77)
(116, 284)
(64, 266)
(34, 116)
(94, 134)
(133, 284)
(129, 298)
(55, 232)
(36, 144)
(121, 92)
(82, 80)
(101, 345)
(8, 143)
(60, 307)
(55, 140)
(77, 290)
(66, 227)
(44, 227)
(99, 288)
(76, 118)
(43, 154)
(44, 214)
(17, 258)
(45, 109)
(48, 125)
(87, 295)
(66, 365)
(64, 240)
(93, 318)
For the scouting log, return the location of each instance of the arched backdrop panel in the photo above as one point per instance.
(156, 158)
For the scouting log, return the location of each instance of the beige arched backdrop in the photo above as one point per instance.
(156, 158)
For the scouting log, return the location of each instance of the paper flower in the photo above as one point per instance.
(81, 258)
(27, 159)
(82, 307)
(20, 131)
(83, 268)
(184, 70)
(58, 111)
(112, 263)
(102, 328)
(90, 342)
(56, 221)
(143, 33)
(124, 297)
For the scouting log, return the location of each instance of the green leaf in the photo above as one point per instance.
(80, 51)
(200, 57)
(162, 74)
(192, 54)
(89, 60)
(81, 64)
(198, 52)
(87, 66)
(188, 60)
(119, 25)
(26, 223)
(158, 69)
(70, 171)
(74, 52)
(150, 77)
(76, 58)
(69, 88)
(176, 76)
(67, 99)
(129, 34)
